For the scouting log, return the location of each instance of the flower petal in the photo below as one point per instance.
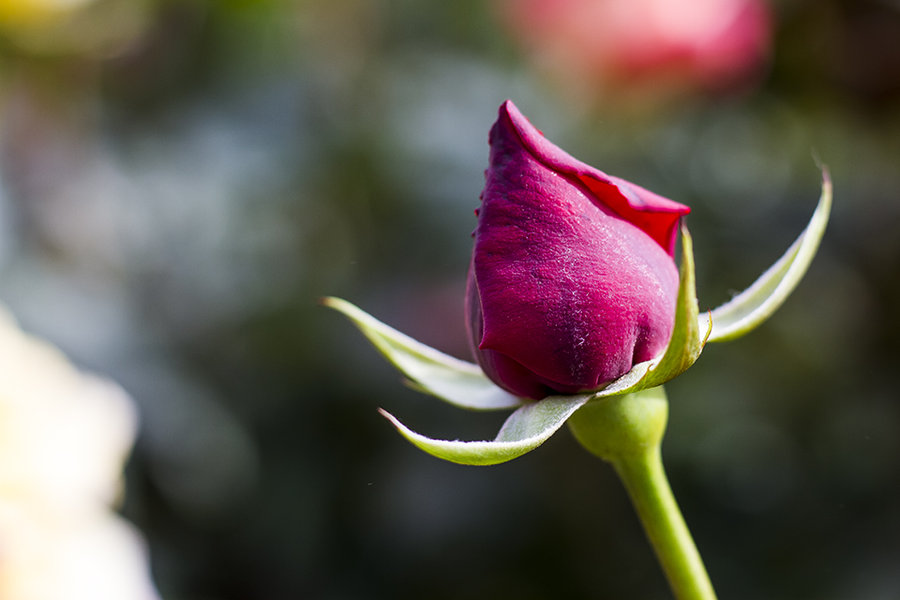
(564, 295)
(687, 341)
(657, 216)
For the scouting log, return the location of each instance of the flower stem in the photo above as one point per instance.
(646, 482)
(627, 432)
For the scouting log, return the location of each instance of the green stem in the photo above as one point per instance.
(627, 432)
(646, 482)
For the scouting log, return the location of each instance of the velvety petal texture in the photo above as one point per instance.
(573, 279)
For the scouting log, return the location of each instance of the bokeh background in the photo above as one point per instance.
(180, 180)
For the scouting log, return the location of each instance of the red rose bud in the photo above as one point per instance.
(573, 279)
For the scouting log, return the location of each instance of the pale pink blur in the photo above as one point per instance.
(708, 45)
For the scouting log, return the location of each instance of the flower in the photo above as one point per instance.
(92, 28)
(573, 225)
(32, 11)
(573, 289)
(710, 45)
(572, 280)
(64, 439)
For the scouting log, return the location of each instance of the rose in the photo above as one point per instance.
(709, 45)
(572, 280)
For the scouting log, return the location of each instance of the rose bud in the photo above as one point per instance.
(573, 279)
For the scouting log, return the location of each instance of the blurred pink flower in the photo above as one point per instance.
(709, 45)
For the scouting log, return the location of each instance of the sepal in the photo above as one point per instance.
(455, 381)
(754, 305)
(686, 343)
(525, 429)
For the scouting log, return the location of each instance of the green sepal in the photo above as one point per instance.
(754, 305)
(458, 382)
(524, 430)
(686, 344)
